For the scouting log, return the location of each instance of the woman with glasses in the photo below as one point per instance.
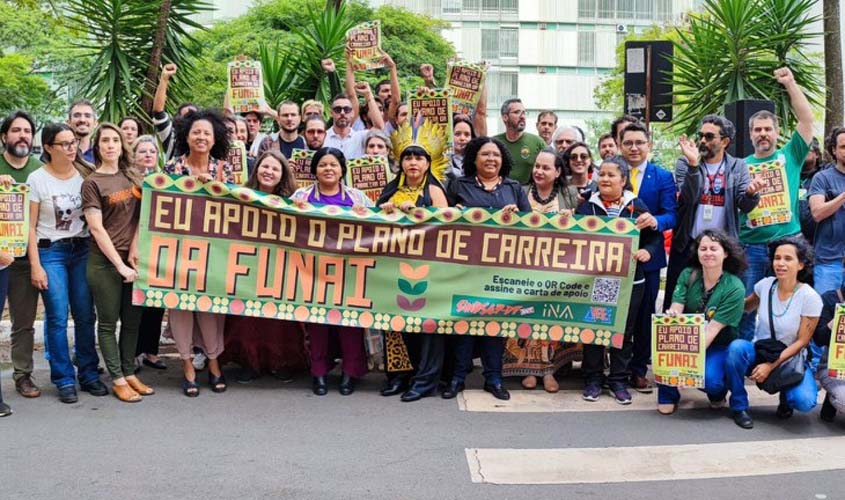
(204, 138)
(58, 253)
(578, 168)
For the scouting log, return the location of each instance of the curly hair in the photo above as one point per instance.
(220, 149)
(804, 252)
(566, 157)
(735, 262)
(286, 185)
(471, 155)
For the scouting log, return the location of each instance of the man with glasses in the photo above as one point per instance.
(83, 120)
(344, 111)
(714, 188)
(565, 137)
(523, 147)
(315, 132)
(776, 216)
(656, 188)
(16, 164)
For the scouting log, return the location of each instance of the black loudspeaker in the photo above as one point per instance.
(739, 112)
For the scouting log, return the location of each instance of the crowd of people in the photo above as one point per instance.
(767, 290)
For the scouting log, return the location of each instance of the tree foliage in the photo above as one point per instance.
(294, 35)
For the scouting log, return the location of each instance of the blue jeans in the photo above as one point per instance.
(757, 255)
(716, 382)
(65, 263)
(741, 358)
(492, 349)
(827, 276)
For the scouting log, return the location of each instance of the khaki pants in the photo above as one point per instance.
(23, 302)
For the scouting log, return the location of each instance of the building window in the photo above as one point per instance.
(644, 9)
(451, 6)
(664, 10)
(496, 44)
(471, 6)
(586, 48)
(587, 9)
(490, 6)
(607, 9)
(626, 9)
(510, 6)
(502, 86)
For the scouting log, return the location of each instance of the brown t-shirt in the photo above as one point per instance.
(118, 199)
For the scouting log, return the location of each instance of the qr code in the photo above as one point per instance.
(606, 290)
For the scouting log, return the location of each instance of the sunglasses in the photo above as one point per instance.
(580, 156)
(708, 136)
(342, 109)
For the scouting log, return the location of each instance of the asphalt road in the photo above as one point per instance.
(270, 440)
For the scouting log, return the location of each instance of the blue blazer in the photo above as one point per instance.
(657, 191)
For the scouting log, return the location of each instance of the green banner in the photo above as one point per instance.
(14, 219)
(677, 349)
(836, 351)
(227, 249)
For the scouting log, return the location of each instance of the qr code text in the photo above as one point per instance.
(606, 290)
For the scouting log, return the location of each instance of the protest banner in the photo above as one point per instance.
(246, 85)
(369, 174)
(231, 250)
(14, 219)
(774, 206)
(465, 81)
(836, 350)
(364, 40)
(434, 105)
(300, 164)
(237, 161)
(677, 350)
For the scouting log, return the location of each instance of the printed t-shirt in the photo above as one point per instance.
(118, 200)
(60, 205)
(710, 212)
(523, 153)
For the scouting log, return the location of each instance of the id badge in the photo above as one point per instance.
(708, 213)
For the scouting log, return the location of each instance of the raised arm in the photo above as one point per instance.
(395, 91)
(160, 99)
(480, 119)
(800, 105)
(349, 86)
(427, 74)
(374, 114)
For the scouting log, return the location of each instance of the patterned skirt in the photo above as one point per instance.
(537, 357)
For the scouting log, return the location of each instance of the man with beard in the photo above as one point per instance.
(523, 147)
(83, 120)
(714, 188)
(315, 132)
(344, 111)
(776, 216)
(15, 165)
(827, 199)
(546, 125)
(287, 138)
(607, 146)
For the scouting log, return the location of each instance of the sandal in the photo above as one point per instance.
(190, 388)
(217, 383)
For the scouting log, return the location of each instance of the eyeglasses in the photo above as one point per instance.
(67, 146)
(580, 156)
(82, 115)
(630, 144)
(708, 136)
(342, 109)
(561, 142)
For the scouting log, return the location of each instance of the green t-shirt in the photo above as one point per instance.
(725, 305)
(19, 174)
(788, 161)
(523, 152)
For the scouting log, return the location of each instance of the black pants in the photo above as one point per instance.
(427, 353)
(149, 333)
(593, 364)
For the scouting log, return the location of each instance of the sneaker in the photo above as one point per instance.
(246, 376)
(68, 395)
(620, 393)
(200, 361)
(591, 392)
(95, 388)
(5, 410)
(641, 384)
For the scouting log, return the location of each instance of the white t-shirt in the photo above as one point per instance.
(805, 302)
(60, 205)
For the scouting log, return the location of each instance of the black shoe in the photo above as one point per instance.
(394, 386)
(68, 395)
(784, 411)
(284, 376)
(413, 395)
(319, 386)
(743, 419)
(828, 411)
(347, 385)
(246, 376)
(453, 390)
(95, 388)
(157, 364)
(5, 410)
(497, 391)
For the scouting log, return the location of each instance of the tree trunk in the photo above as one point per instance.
(834, 98)
(151, 79)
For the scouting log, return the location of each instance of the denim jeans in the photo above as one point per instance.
(716, 382)
(65, 263)
(741, 358)
(757, 255)
(827, 276)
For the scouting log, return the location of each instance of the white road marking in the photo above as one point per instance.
(654, 463)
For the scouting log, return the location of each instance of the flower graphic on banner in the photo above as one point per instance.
(412, 283)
